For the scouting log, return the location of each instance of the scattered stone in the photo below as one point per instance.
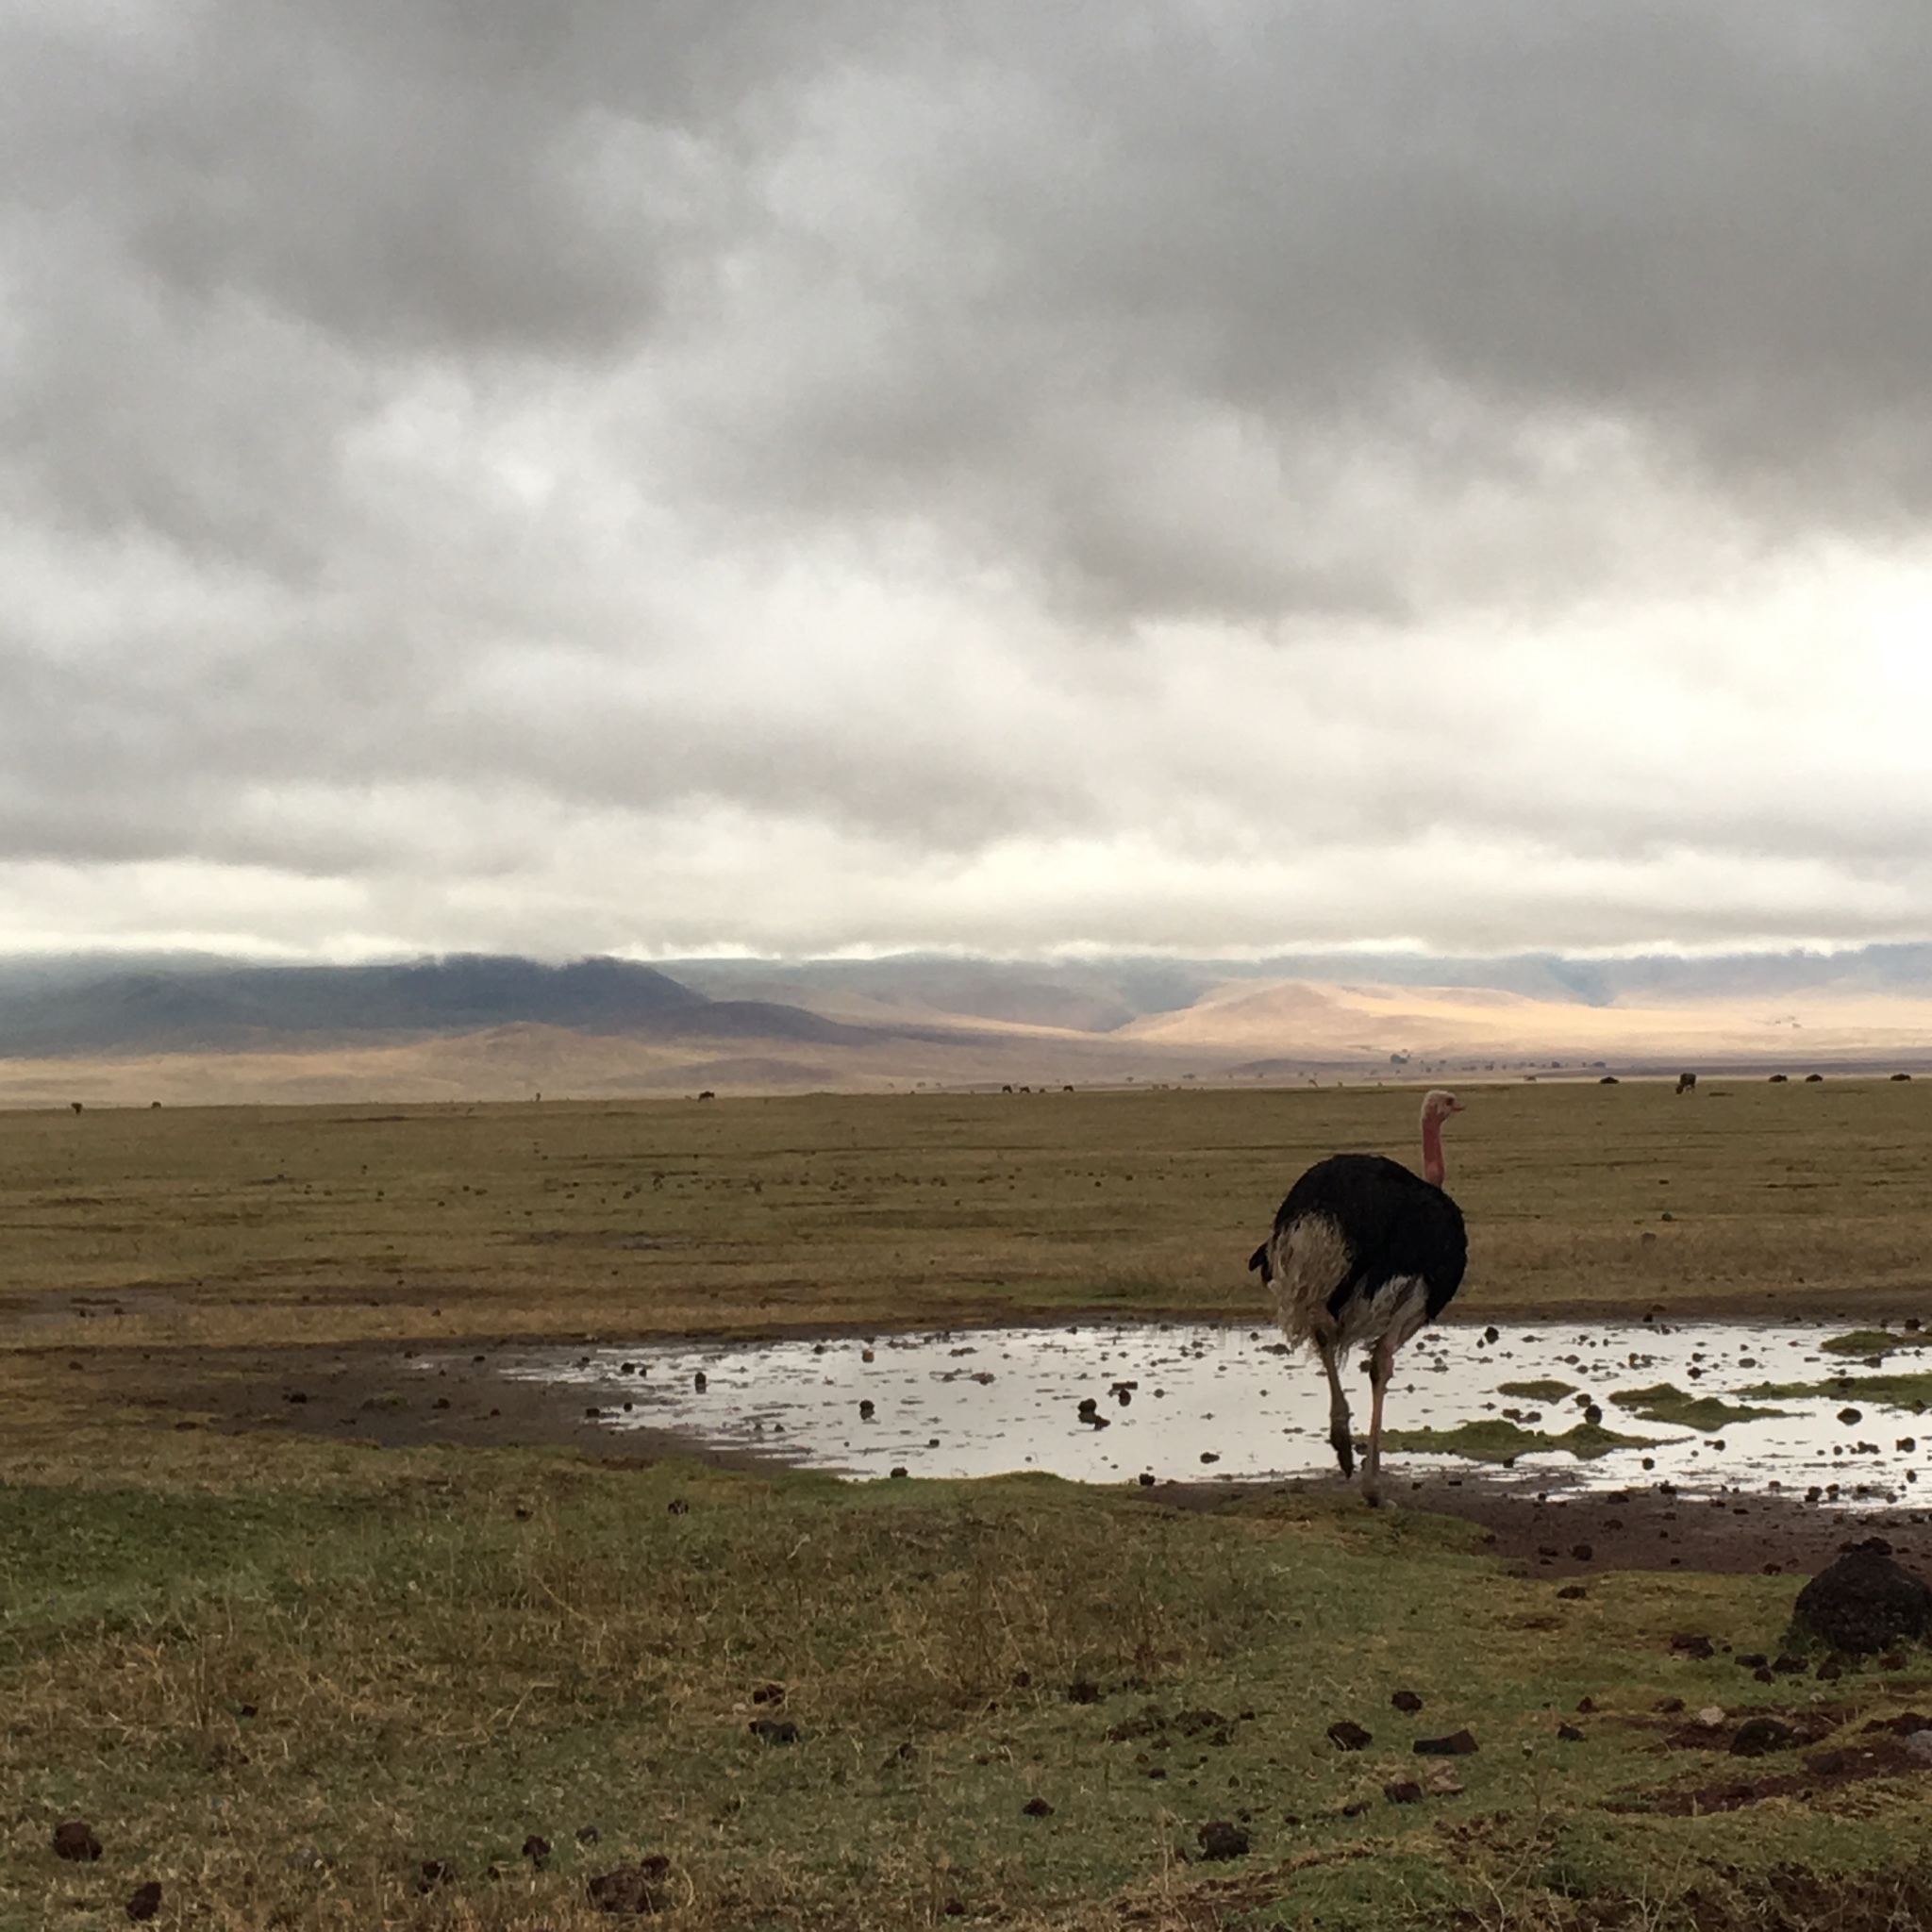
(1582, 1552)
(75, 1839)
(1789, 1665)
(630, 1889)
(1403, 1791)
(1751, 1661)
(537, 1850)
(774, 1731)
(1442, 1782)
(769, 1693)
(1082, 1691)
(1147, 1480)
(867, 1411)
(1035, 1807)
(1692, 1644)
(1209, 1455)
(1456, 1745)
(145, 1902)
(1712, 1716)
(1757, 1736)
(700, 1382)
(1570, 1734)
(1866, 1601)
(1668, 1706)
(1407, 1700)
(1221, 1840)
(897, 1471)
(1346, 1736)
(1586, 1707)
(1573, 1593)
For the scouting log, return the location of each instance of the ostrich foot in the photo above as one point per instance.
(1343, 1446)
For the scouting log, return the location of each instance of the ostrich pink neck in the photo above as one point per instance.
(1433, 1170)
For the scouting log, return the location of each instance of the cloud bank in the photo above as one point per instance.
(1205, 477)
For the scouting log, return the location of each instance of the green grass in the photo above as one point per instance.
(1872, 1343)
(738, 1216)
(1663, 1403)
(1544, 1389)
(1912, 1391)
(229, 1654)
(1496, 1440)
(226, 1667)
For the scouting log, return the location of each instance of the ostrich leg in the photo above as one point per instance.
(1341, 1436)
(1381, 1367)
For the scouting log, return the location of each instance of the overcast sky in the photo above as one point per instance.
(799, 474)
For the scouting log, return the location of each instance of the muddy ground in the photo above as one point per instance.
(382, 1394)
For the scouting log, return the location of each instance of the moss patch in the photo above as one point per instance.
(1544, 1390)
(1872, 1344)
(1663, 1403)
(1497, 1440)
(1912, 1391)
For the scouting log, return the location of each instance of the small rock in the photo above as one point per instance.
(1573, 1593)
(700, 1382)
(1403, 1791)
(75, 1839)
(1221, 1840)
(866, 1411)
(1346, 1736)
(538, 1851)
(1751, 1661)
(1582, 1552)
(774, 1731)
(1692, 1644)
(897, 1471)
(1035, 1807)
(1830, 1669)
(1668, 1706)
(1586, 1705)
(1758, 1735)
(1789, 1665)
(1919, 1746)
(630, 1889)
(1442, 1782)
(1570, 1734)
(1209, 1455)
(1407, 1700)
(677, 1507)
(587, 1834)
(433, 1873)
(1082, 1691)
(1456, 1745)
(769, 1693)
(1849, 1416)
(1147, 1480)
(145, 1902)
(1712, 1716)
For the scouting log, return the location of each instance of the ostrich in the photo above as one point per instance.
(1365, 1254)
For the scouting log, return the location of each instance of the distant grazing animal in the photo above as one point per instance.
(1686, 1083)
(1363, 1255)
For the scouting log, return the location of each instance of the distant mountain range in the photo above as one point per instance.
(493, 1027)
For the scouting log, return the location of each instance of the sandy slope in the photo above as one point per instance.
(1242, 1030)
(1433, 1022)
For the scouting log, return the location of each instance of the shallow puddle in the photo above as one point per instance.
(1103, 1403)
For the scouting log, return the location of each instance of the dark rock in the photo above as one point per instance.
(866, 1411)
(538, 1851)
(1751, 1661)
(1758, 1735)
(145, 1902)
(1573, 1593)
(1346, 1736)
(1082, 1691)
(1692, 1644)
(1668, 1705)
(1405, 1791)
(1035, 1807)
(1221, 1840)
(1865, 1602)
(75, 1839)
(774, 1731)
(1582, 1552)
(1831, 1669)
(587, 1834)
(1407, 1700)
(897, 1471)
(677, 1507)
(1585, 1706)
(1570, 1734)
(1790, 1665)
(435, 1871)
(1147, 1480)
(1456, 1745)
(630, 1889)
(1849, 1416)
(769, 1693)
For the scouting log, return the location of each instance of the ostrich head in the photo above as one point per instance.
(1438, 1105)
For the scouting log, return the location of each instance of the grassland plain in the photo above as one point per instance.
(282, 1675)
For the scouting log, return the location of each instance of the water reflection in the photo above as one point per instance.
(1103, 1403)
